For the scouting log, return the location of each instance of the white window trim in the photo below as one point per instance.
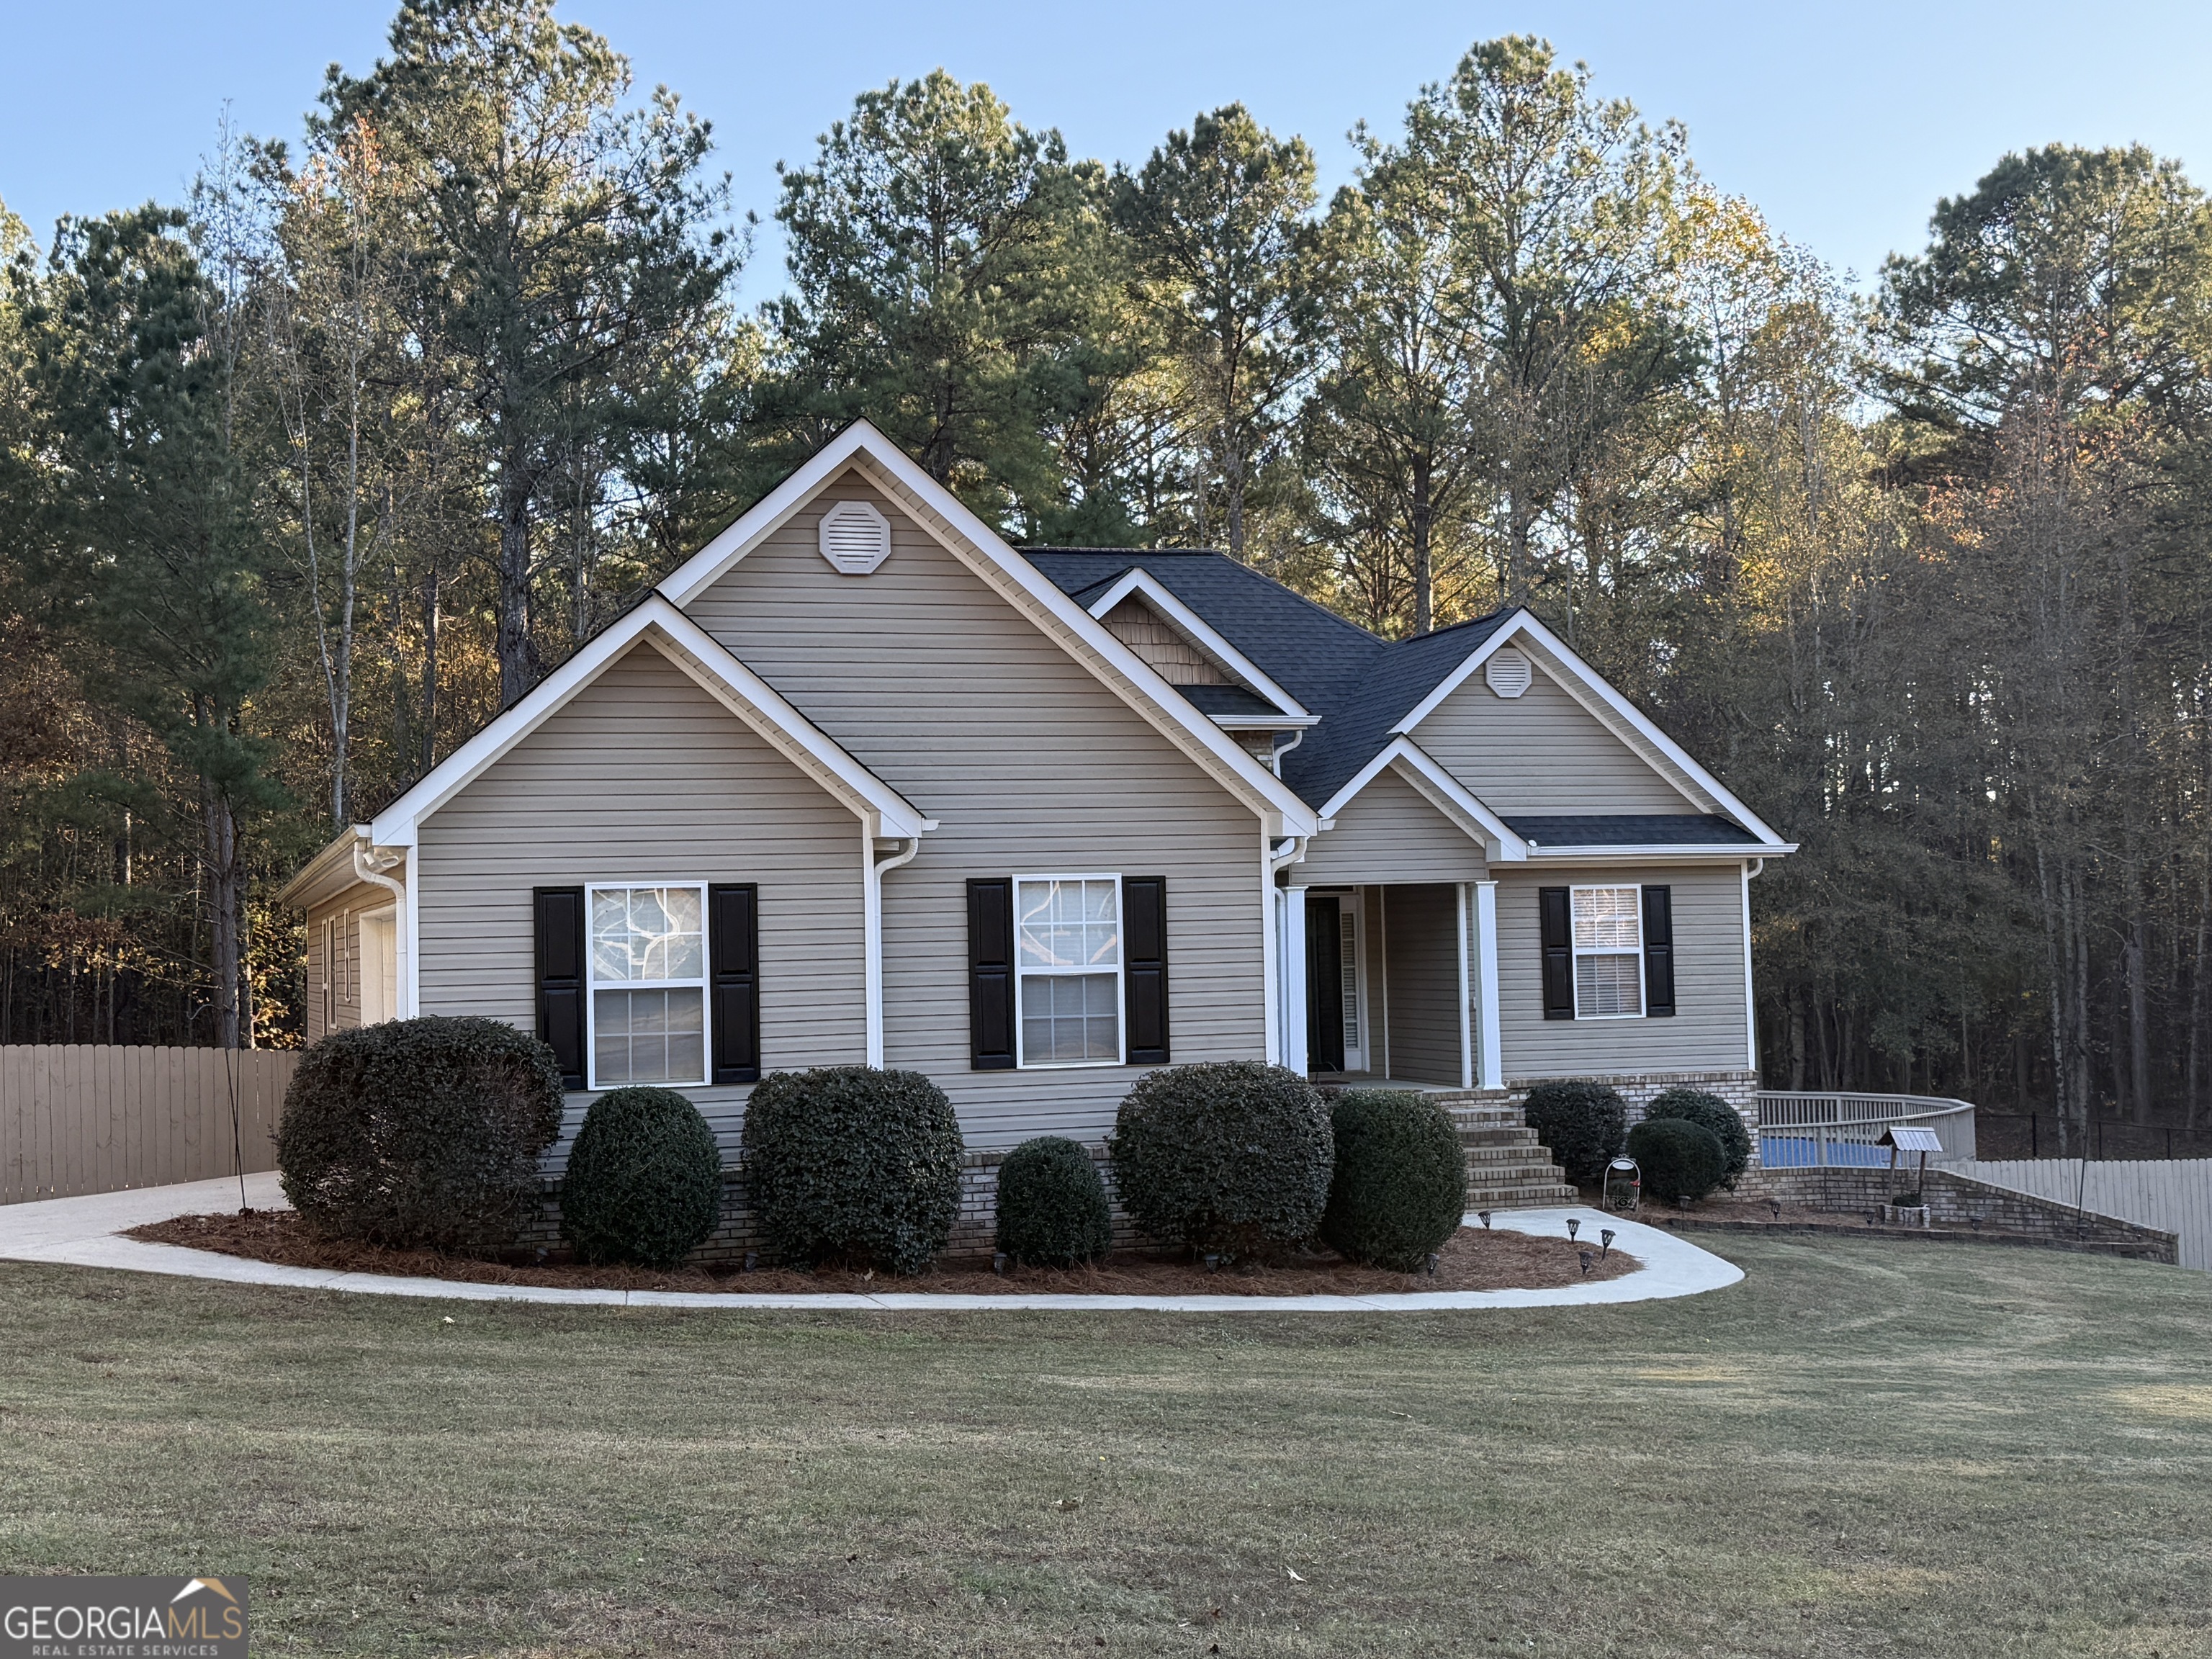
(1022, 1061)
(703, 984)
(1577, 951)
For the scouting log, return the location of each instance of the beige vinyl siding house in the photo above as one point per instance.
(865, 744)
(1540, 752)
(1708, 1029)
(1391, 833)
(938, 686)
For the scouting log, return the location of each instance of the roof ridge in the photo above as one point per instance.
(1136, 556)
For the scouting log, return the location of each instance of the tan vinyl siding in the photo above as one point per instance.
(641, 776)
(1707, 1032)
(334, 958)
(1540, 753)
(1031, 767)
(1389, 832)
(1421, 925)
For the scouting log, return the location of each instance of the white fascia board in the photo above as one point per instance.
(703, 660)
(1539, 853)
(1008, 573)
(1264, 722)
(327, 874)
(1442, 791)
(1590, 689)
(1200, 632)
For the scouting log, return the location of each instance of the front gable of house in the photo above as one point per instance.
(1541, 751)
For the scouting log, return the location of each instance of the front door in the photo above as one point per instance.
(1324, 985)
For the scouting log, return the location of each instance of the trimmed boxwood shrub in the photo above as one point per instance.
(1229, 1156)
(1696, 1106)
(419, 1133)
(850, 1165)
(1679, 1158)
(644, 1182)
(1400, 1183)
(1583, 1124)
(1052, 1205)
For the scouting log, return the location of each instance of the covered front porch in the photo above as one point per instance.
(1391, 984)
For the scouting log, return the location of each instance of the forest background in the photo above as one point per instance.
(305, 477)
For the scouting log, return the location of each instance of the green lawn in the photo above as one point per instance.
(1870, 1447)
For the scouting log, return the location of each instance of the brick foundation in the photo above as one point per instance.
(974, 1229)
(1960, 1201)
(1639, 1089)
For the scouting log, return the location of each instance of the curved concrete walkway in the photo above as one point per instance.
(86, 1232)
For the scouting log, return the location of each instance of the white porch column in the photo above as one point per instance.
(1465, 1012)
(1293, 979)
(1492, 1061)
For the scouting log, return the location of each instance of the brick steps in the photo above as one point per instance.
(1507, 1167)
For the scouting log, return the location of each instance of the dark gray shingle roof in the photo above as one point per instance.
(1633, 829)
(1360, 684)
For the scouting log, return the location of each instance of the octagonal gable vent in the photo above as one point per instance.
(855, 538)
(1509, 674)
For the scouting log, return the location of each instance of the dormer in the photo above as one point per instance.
(1214, 676)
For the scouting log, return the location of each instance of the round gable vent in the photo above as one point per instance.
(1509, 674)
(855, 538)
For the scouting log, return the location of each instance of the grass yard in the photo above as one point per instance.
(1871, 1448)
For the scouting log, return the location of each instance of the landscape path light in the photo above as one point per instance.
(1574, 1226)
(1483, 1216)
(1605, 1244)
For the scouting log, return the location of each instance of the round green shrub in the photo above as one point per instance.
(851, 1164)
(1696, 1106)
(644, 1182)
(420, 1134)
(1400, 1184)
(1582, 1124)
(1229, 1156)
(1052, 1205)
(1679, 1158)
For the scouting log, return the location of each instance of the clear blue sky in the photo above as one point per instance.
(1844, 123)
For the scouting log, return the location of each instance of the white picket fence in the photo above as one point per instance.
(2173, 1194)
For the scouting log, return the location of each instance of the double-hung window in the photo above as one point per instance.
(648, 985)
(1067, 979)
(1609, 946)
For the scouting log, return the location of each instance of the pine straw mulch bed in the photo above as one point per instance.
(1471, 1260)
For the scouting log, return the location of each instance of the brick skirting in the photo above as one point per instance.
(1957, 1200)
(974, 1230)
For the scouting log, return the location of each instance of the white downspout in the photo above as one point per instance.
(873, 936)
(402, 929)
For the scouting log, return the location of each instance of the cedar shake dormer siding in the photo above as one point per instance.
(1031, 767)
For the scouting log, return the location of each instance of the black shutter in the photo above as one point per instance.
(991, 974)
(559, 917)
(733, 952)
(1558, 953)
(1145, 968)
(1659, 951)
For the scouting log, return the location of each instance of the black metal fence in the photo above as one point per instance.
(2039, 1134)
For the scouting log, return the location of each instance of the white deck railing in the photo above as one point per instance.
(1795, 1130)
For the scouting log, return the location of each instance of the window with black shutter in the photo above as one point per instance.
(733, 952)
(1558, 923)
(991, 974)
(1145, 968)
(559, 918)
(1659, 951)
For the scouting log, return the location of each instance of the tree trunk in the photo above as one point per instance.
(1424, 582)
(514, 653)
(226, 894)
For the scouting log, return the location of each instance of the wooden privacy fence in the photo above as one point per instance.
(85, 1118)
(2173, 1195)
